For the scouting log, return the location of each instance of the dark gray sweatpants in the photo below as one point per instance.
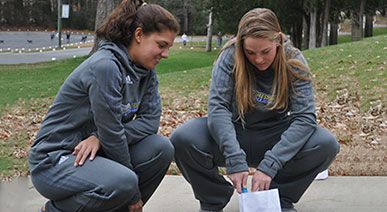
(198, 156)
(103, 184)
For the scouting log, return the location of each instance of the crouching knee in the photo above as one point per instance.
(125, 187)
(114, 194)
(188, 134)
(165, 148)
(329, 146)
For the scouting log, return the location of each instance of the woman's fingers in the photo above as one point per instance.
(254, 185)
(239, 180)
(267, 185)
(260, 181)
(84, 156)
(78, 151)
(81, 155)
(93, 153)
(87, 148)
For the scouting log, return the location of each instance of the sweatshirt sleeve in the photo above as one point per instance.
(302, 126)
(104, 88)
(148, 116)
(220, 113)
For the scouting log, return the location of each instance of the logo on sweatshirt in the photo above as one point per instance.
(263, 98)
(128, 80)
(62, 159)
(130, 108)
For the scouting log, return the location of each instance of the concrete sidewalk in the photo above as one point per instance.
(335, 194)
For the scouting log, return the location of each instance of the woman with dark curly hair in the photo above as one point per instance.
(98, 148)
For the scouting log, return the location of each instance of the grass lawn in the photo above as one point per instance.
(376, 32)
(26, 91)
(33, 80)
(359, 67)
(44, 79)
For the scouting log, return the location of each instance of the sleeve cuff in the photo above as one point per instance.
(95, 133)
(269, 167)
(236, 164)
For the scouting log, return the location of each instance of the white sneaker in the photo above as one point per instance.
(322, 175)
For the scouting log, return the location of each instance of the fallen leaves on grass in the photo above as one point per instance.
(362, 135)
(179, 111)
(18, 128)
(4, 134)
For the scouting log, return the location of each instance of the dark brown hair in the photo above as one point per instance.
(130, 14)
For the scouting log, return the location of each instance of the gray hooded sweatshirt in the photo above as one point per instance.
(106, 96)
(223, 114)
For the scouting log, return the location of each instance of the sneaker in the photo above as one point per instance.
(288, 210)
(322, 175)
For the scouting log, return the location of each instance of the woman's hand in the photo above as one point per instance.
(260, 181)
(239, 179)
(136, 207)
(86, 148)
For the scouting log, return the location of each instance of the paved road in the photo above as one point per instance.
(18, 40)
(12, 43)
(19, 58)
(15, 48)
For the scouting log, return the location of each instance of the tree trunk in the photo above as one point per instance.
(369, 25)
(324, 38)
(357, 22)
(186, 30)
(186, 11)
(319, 18)
(52, 5)
(209, 32)
(104, 9)
(59, 24)
(296, 35)
(305, 30)
(333, 33)
(312, 28)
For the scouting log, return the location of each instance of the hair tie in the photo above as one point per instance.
(143, 4)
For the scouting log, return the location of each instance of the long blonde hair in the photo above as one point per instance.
(262, 23)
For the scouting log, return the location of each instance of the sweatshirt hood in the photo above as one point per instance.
(125, 62)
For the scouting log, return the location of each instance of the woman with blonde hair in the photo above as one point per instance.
(97, 148)
(261, 114)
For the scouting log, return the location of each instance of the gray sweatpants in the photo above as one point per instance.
(198, 156)
(103, 184)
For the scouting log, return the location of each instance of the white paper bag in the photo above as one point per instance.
(260, 201)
